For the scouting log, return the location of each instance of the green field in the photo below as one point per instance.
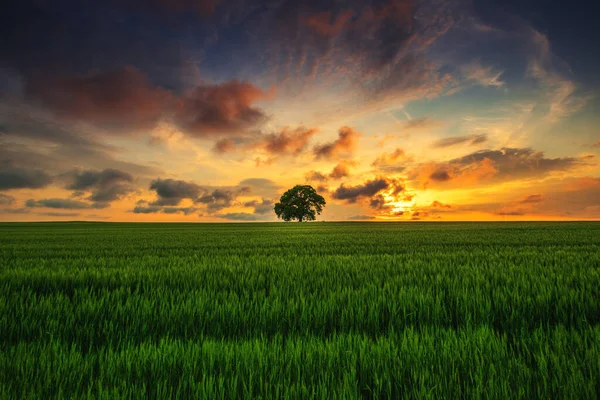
(315, 310)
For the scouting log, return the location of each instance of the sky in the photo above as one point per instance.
(208, 110)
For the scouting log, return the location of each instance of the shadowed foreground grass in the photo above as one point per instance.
(321, 310)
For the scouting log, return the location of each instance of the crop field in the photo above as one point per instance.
(314, 310)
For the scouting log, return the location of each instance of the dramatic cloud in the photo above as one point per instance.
(341, 170)
(452, 141)
(597, 144)
(123, 100)
(21, 178)
(116, 100)
(352, 193)
(515, 162)
(372, 190)
(491, 166)
(67, 204)
(220, 198)
(105, 186)
(30, 137)
(440, 176)
(211, 110)
(345, 143)
(171, 192)
(141, 209)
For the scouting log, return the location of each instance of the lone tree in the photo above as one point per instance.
(302, 203)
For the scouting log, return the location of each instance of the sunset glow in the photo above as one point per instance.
(207, 111)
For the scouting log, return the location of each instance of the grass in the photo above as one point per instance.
(321, 310)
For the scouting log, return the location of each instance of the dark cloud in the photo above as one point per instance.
(265, 206)
(105, 186)
(31, 137)
(219, 199)
(67, 204)
(239, 216)
(452, 141)
(378, 202)
(440, 176)
(145, 209)
(345, 143)
(518, 162)
(118, 100)
(6, 200)
(58, 214)
(171, 192)
(369, 190)
(12, 177)
(124, 101)
(211, 110)
(361, 218)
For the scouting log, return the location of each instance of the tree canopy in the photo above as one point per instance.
(302, 203)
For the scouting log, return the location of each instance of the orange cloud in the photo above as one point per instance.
(387, 160)
(124, 100)
(220, 109)
(492, 166)
(345, 143)
(341, 170)
(287, 141)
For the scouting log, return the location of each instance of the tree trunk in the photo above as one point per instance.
(300, 219)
